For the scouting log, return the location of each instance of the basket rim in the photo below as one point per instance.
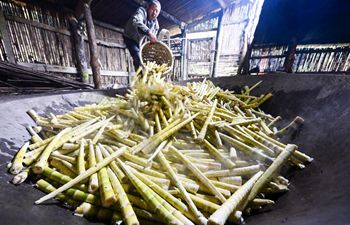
(166, 46)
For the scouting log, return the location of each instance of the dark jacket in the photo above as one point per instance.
(138, 25)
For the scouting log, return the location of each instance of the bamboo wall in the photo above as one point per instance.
(268, 58)
(333, 58)
(31, 43)
(200, 43)
(210, 24)
(200, 57)
(236, 31)
(176, 72)
(322, 59)
(238, 26)
(112, 58)
(2, 50)
(41, 38)
(176, 45)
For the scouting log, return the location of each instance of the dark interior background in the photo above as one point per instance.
(304, 21)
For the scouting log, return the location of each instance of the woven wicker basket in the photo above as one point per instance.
(157, 52)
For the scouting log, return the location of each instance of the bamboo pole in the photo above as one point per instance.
(83, 176)
(6, 38)
(94, 61)
(220, 216)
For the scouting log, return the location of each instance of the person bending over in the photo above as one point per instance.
(142, 23)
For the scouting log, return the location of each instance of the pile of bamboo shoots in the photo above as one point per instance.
(163, 153)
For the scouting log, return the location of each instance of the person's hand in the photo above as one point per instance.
(152, 38)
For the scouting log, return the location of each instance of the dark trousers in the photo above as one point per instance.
(134, 50)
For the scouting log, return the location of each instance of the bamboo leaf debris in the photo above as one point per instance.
(163, 153)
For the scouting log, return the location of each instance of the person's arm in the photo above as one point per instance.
(138, 21)
(153, 36)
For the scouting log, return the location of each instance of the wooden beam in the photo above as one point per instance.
(107, 43)
(243, 68)
(205, 35)
(203, 18)
(130, 65)
(94, 61)
(290, 57)
(184, 59)
(49, 68)
(110, 44)
(114, 73)
(217, 44)
(342, 49)
(69, 70)
(108, 26)
(10, 56)
(79, 8)
(39, 25)
(269, 56)
(204, 30)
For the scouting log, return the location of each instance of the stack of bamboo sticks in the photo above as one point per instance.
(162, 153)
(15, 79)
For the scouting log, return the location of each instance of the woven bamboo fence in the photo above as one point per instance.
(40, 38)
(330, 58)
